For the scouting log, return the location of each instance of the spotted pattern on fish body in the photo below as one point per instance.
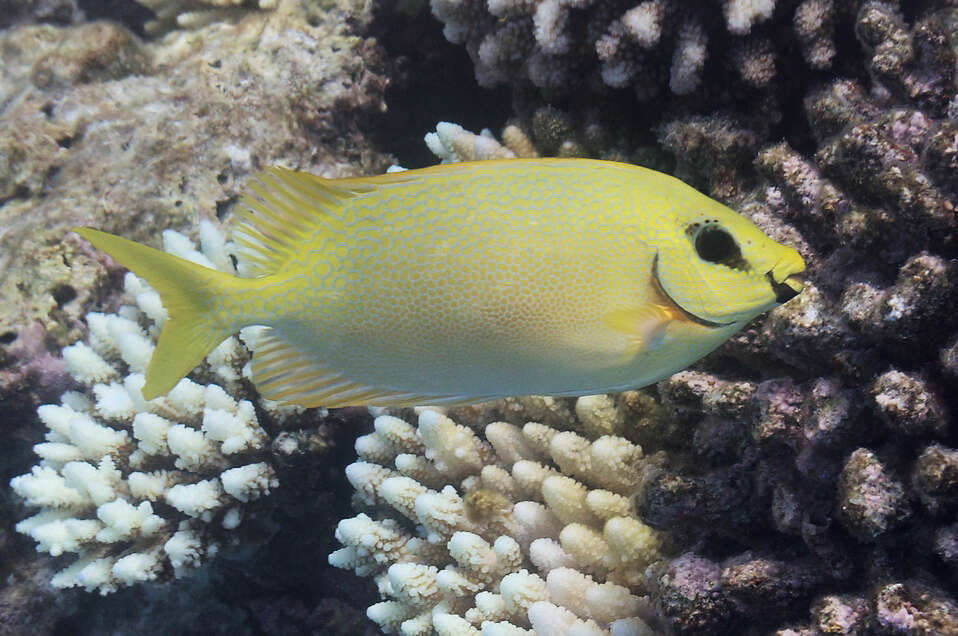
(471, 281)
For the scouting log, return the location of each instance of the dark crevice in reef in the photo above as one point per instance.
(432, 81)
(129, 13)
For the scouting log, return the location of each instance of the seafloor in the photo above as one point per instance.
(802, 479)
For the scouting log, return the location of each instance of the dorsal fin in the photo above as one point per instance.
(281, 208)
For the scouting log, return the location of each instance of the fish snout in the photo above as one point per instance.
(787, 278)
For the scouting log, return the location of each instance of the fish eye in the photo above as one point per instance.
(715, 245)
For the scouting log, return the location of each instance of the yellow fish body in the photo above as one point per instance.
(465, 282)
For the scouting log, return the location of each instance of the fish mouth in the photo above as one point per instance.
(788, 289)
(686, 314)
(787, 277)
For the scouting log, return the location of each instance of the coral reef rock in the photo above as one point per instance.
(98, 127)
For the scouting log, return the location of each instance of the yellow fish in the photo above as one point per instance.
(466, 282)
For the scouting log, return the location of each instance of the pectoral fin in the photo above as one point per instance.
(643, 327)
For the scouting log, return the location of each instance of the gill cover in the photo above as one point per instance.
(721, 269)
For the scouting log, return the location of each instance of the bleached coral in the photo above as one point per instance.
(137, 488)
(644, 22)
(451, 142)
(688, 59)
(516, 528)
(740, 15)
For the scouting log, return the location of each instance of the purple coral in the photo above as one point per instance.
(907, 405)
(935, 478)
(691, 596)
(842, 614)
(915, 608)
(651, 46)
(872, 501)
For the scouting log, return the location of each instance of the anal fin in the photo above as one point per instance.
(284, 373)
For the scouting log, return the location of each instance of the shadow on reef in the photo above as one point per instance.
(127, 12)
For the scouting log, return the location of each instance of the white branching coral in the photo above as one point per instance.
(643, 22)
(520, 530)
(142, 489)
(451, 143)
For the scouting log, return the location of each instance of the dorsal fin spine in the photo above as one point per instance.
(279, 213)
(295, 190)
(281, 210)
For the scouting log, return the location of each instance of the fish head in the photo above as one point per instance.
(721, 269)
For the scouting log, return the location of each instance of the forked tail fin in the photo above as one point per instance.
(188, 292)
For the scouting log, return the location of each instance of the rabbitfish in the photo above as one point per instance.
(466, 282)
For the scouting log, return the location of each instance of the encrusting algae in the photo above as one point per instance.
(466, 282)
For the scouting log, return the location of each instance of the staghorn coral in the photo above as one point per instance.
(147, 490)
(501, 527)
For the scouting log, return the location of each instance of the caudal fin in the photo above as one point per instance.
(188, 292)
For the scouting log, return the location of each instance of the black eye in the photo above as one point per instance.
(717, 246)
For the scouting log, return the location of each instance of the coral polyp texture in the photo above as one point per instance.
(502, 527)
(142, 490)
